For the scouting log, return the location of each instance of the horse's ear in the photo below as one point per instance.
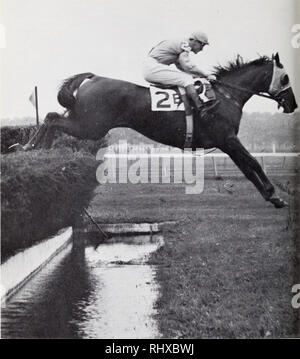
(276, 58)
(239, 59)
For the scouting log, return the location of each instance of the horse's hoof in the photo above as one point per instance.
(278, 202)
(28, 147)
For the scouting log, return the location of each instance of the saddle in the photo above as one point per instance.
(169, 98)
(162, 86)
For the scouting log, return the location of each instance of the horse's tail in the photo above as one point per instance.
(65, 95)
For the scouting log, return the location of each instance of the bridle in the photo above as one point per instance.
(244, 89)
(274, 91)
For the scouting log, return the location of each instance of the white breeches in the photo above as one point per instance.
(158, 73)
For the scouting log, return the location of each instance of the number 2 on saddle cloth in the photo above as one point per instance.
(169, 99)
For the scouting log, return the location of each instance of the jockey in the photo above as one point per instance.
(157, 70)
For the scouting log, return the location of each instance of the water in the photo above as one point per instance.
(89, 292)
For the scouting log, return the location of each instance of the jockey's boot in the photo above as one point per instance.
(187, 105)
(192, 94)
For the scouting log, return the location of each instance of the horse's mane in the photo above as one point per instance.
(239, 64)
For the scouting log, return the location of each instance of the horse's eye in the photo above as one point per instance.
(285, 80)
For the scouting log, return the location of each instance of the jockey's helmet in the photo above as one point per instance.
(200, 36)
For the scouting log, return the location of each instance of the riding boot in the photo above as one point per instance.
(187, 105)
(192, 93)
(189, 121)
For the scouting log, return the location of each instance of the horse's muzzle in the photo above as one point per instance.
(286, 99)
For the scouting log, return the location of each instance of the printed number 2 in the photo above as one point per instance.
(166, 98)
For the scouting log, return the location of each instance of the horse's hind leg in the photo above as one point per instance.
(48, 139)
(35, 139)
(53, 122)
(67, 125)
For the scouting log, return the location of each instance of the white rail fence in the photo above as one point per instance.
(261, 156)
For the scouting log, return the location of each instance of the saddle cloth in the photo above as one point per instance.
(168, 98)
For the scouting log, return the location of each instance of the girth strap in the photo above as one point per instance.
(189, 121)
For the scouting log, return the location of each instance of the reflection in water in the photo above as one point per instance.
(85, 293)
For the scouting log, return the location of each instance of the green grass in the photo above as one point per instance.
(42, 192)
(228, 265)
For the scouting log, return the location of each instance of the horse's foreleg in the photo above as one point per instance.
(252, 170)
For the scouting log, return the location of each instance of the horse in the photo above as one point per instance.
(94, 105)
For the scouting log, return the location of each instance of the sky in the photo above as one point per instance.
(48, 41)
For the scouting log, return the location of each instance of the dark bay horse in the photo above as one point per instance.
(101, 104)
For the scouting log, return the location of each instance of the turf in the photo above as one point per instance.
(228, 265)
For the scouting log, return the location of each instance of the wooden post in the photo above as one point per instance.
(36, 106)
(95, 223)
(215, 167)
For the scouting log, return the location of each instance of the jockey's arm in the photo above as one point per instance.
(185, 64)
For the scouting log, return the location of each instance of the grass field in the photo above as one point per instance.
(229, 262)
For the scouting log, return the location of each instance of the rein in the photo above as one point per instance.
(236, 87)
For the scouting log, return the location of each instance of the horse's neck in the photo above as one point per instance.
(254, 78)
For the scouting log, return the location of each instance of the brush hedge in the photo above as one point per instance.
(42, 192)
